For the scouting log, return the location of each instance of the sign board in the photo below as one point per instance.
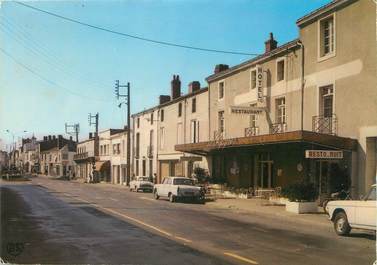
(260, 83)
(191, 158)
(323, 154)
(245, 110)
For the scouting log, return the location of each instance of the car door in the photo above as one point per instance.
(163, 187)
(366, 211)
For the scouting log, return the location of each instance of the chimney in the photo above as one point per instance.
(90, 135)
(175, 87)
(49, 138)
(164, 99)
(270, 44)
(221, 67)
(194, 86)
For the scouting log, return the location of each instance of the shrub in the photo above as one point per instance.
(300, 192)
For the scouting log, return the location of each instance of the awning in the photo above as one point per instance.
(325, 140)
(102, 165)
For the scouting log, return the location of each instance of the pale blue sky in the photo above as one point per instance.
(82, 63)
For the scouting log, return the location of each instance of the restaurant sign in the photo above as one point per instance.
(245, 110)
(323, 154)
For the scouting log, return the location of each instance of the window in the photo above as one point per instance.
(280, 111)
(162, 137)
(327, 101)
(221, 90)
(104, 149)
(101, 150)
(327, 36)
(253, 117)
(138, 122)
(179, 133)
(194, 131)
(118, 149)
(137, 153)
(162, 115)
(152, 118)
(280, 70)
(144, 168)
(221, 122)
(114, 149)
(253, 79)
(193, 105)
(179, 109)
(137, 167)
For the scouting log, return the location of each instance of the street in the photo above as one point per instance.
(54, 221)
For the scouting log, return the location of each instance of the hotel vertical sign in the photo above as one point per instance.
(260, 83)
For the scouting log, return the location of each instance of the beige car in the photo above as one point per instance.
(360, 214)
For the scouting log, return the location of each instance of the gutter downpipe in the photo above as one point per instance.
(302, 82)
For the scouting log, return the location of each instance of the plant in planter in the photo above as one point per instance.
(301, 197)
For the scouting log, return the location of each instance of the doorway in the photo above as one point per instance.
(265, 171)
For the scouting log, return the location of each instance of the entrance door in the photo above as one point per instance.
(265, 174)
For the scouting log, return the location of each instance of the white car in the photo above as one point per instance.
(141, 183)
(176, 188)
(359, 214)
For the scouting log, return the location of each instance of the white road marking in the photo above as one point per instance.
(240, 258)
(183, 239)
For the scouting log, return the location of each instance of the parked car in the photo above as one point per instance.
(176, 188)
(141, 183)
(359, 214)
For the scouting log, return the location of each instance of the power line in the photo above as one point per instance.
(134, 36)
(46, 79)
(19, 35)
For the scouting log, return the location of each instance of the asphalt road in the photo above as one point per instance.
(52, 221)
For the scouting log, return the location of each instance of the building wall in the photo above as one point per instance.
(352, 72)
(238, 92)
(118, 160)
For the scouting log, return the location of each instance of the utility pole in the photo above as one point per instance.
(73, 129)
(128, 102)
(90, 120)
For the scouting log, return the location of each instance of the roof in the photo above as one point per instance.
(323, 10)
(258, 59)
(170, 102)
(331, 141)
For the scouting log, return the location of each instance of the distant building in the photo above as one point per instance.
(56, 156)
(3, 160)
(85, 158)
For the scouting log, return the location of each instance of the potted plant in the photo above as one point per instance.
(301, 198)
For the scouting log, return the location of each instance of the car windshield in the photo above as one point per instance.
(372, 195)
(183, 181)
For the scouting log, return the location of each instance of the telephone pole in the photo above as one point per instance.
(90, 120)
(128, 102)
(73, 129)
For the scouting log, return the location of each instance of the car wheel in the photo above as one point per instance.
(130, 189)
(341, 224)
(156, 195)
(324, 204)
(172, 198)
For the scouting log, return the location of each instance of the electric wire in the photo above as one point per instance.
(134, 36)
(46, 79)
(20, 36)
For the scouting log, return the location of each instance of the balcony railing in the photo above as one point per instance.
(278, 128)
(150, 151)
(326, 125)
(251, 131)
(83, 156)
(218, 135)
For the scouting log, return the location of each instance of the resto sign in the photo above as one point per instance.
(245, 110)
(323, 154)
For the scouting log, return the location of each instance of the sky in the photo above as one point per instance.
(53, 71)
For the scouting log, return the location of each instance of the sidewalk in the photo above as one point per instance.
(265, 207)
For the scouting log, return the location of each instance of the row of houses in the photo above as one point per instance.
(301, 111)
